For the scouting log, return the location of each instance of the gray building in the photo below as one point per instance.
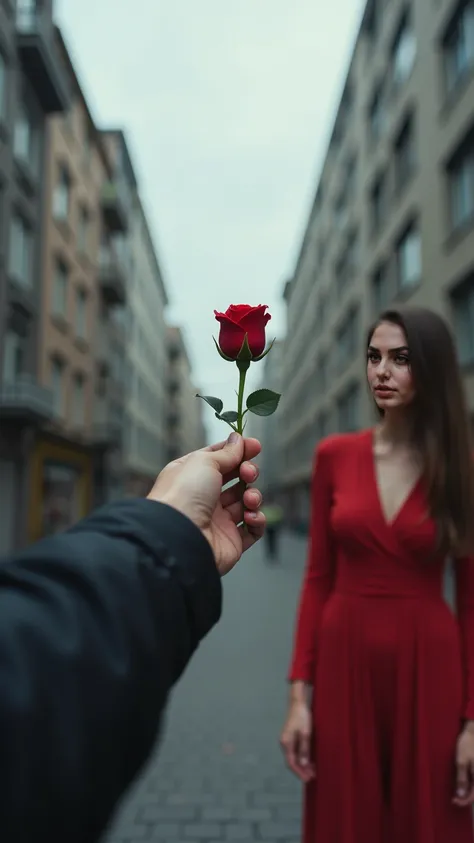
(146, 446)
(392, 220)
(32, 86)
(267, 428)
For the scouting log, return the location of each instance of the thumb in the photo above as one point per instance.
(230, 455)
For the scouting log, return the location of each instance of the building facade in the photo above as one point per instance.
(184, 412)
(392, 221)
(33, 86)
(267, 429)
(146, 446)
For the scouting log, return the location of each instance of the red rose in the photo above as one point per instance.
(236, 322)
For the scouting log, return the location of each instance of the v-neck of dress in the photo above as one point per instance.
(406, 500)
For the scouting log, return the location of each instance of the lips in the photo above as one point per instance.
(384, 390)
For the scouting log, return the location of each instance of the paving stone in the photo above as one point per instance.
(218, 771)
(278, 831)
(203, 831)
(239, 831)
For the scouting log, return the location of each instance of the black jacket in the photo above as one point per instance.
(96, 625)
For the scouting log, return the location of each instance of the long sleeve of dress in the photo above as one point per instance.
(464, 573)
(318, 578)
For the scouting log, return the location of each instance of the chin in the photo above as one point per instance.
(390, 400)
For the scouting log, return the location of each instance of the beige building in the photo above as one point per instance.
(186, 428)
(392, 221)
(81, 332)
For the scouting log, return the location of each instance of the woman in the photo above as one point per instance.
(385, 744)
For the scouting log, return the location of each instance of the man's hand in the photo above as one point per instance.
(193, 485)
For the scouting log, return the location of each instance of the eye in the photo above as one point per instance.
(402, 359)
(372, 357)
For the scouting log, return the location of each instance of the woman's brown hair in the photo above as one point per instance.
(441, 424)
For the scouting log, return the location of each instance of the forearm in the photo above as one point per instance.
(94, 630)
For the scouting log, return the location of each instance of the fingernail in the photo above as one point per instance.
(460, 792)
(233, 438)
(252, 514)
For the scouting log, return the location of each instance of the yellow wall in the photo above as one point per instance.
(67, 455)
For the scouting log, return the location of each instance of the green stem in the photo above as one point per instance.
(240, 401)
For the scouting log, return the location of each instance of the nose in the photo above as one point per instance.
(382, 368)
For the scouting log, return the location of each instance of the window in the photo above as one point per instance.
(351, 178)
(377, 114)
(3, 85)
(347, 339)
(57, 385)
(403, 53)
(348, 410)
(78, 403)
(461, 184)
(13, 356)
(60, 287)
(463, 311)
(24, 146)
(378, 203)
(340, 213)
(405, 152)
(409, 258)
(61, 195)
(81, 314)
(83, 231)
(381, 289)
(347, 265)
(20, 251)
(459, 46)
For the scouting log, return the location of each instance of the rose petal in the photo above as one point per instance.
(236, 312)
(231, 336)
(254, 325)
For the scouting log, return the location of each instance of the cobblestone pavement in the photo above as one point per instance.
(219, 774)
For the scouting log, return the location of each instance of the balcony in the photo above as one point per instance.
(111, 278)
(107, 432)
(40, 58)
(26, 401)
(114, 207)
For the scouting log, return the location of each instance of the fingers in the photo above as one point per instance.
(464, 784)
(252, 530)
(251, 498)
(247, 473)
(252, 447)
(296, 747)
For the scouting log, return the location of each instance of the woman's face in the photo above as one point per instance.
(388, 367)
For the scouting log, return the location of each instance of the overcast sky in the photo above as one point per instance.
(227, 106)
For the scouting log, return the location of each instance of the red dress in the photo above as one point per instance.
(392, 668)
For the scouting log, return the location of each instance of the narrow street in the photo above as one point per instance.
(219, 774)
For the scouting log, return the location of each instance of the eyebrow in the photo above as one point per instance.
(393, 350)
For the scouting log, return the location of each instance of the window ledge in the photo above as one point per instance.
(458, 234)
(63, 226)
(81, 343)
(26, 174)
(60, 322)
(453, 96)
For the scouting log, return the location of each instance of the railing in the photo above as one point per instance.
(26, 393)
(114, 191)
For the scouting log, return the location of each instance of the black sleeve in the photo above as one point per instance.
(95, 627)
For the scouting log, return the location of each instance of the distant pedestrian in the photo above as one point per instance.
(274, 519)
